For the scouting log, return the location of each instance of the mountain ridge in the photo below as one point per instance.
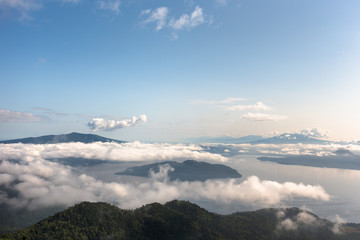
(285, 138)
(62, 138)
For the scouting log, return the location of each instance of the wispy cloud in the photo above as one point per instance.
(97, 124)
(70, 1)
(157, 16)
(262, 117)
(160, 17)
(109, 5)
(40, 61)
(222, 2)
(257, 107)
(188, 21)
(12, 116)
(225, 101)
(20, 7)
(49, 112)
(300, 219)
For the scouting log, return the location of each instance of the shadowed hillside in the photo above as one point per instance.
(188, 170)
(182, 220)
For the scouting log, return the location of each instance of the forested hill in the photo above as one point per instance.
(188, 170)
(182, 220)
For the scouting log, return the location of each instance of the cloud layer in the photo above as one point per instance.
(40, 183)
(97, 124)
(290, 149)
(133, 151)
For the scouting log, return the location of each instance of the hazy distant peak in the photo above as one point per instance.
(63, 138)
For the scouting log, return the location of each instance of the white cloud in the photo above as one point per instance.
(188, 21)
(157, 16)
(257, 107)
(132, 151)
(314, 132)
(97, 124)
(301, 219)
(160, 17)
(22, 8)
(309, 132)
(288, 224)
(110, 5)
(339, 221)
(262, 117)
(11, 116)
(225, 101)
(290, 149)
(42, 183)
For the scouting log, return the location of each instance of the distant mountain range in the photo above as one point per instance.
(225, 139)
(181, 220)
(189, 170)
(63, 138)
(285, 138)
(340, 160)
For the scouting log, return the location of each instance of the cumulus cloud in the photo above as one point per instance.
(188, 21)
(314, 132)
(262, 117)
(40, 183)
(97, 124)
(110, 5)
(309, 132)
(12, 116)
(257, 107)
(157, 16)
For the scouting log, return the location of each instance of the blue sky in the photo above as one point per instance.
(194, 68)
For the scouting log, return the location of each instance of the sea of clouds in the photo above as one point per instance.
(29, 179)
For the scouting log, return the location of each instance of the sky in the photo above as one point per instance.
(168, 70)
